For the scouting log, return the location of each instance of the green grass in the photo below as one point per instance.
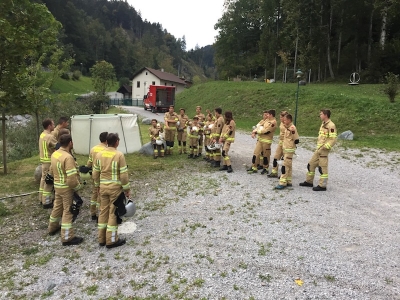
(81, 86)
(363, 109)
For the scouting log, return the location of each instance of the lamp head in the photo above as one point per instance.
(299, 73)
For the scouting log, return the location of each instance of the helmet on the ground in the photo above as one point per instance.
(130, 209)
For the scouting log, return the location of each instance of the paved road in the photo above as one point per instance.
(144, 113)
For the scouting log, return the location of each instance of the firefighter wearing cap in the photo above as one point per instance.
(47, 144)
(181, 128)
(291, 138)
(227, 138)
(215, 136)
(278, 152)
(66, 182)
(110, 174)
(95, 199)
(202, 119)
(326, 140)
(170, 118)
(154, 133)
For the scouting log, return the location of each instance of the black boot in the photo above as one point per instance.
(75, 241)
(190, 156)
(217, 164)
(223, 168)
(230, 169)
(118, 243)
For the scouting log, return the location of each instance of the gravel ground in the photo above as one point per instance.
(206, 234)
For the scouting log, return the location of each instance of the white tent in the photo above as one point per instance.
(86, 129)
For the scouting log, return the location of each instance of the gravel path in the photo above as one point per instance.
(205, 234)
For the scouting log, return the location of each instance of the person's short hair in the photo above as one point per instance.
(65, 139)
(46, 123)
(283, 113)
(289, 117)
(62, 132)
(63, 120)
(171, 106)
(228, 116)
(218, 110)
(112, 139)
(103, 137)
(326, 112)
(198, 106)
(195, 118)
(270, 111)
(182, 109)
(153, 120)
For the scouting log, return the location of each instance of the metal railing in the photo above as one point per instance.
(126, 102)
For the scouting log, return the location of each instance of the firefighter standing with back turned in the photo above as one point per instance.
(110, 174)
(47, 143)
(278, 152)
(66, 182)
(326, 139)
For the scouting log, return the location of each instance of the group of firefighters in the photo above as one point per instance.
(109, 171)
(61, 174)
(216, 134)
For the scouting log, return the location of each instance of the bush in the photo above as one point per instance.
(76, 75)
(392, 87)
(65, 76)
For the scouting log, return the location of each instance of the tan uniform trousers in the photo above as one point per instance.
(194, 145)
(201, 141)
(62, 204)
(277, 156)
(107, 223)
(257, 154)
(319, 159)
(206, 143)
(170, 134)
(182, 136)
(45, 169)
(286, 177)
(94, 201)
(266, 154)
(226, 160)
(47, 195)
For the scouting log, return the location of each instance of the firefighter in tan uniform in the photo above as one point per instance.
(257, 156)
(326, 140)
(194, 138)
(156, 140)
(66, 182)
(110, 174)
(62, 123)
(181, 129)
(207, 132)
(265, 136)
(170, 118)
(278, 152)
(47, 144)
(202, 119)
(227, 138)
(291, 139)
(95, 199)
(215, 136)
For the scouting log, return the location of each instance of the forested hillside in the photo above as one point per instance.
(330, 38)
(114, 31)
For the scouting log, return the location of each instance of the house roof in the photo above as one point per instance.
(125, 89)
(162, 75)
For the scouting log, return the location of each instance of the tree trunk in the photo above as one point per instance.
(370, 37)
(295, 54)
(328, 48)
(340, 41)
(3, 129)
(37, 124)
(383, 29)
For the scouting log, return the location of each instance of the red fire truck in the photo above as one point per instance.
(159, 98)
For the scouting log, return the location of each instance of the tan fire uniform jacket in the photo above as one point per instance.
(93, 152)
(327, 135)
(47, 143)
(291, 135)
(154, 134)
(64, 170)
(110, 169)
(228, 132)
(218, 125)
(266, 134)
(183, 120)
(171, 119)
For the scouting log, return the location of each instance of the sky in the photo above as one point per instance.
(193, 19)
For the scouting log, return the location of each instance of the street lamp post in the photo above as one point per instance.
(299, 73)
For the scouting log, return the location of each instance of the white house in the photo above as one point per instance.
(147, 76)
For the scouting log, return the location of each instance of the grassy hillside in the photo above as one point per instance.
(363, 109)
(81, 86)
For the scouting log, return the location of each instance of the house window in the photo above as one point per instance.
(153, 83)
(165, 83)
(146, 73)
(138, 84)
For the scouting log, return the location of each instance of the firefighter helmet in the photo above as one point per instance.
(85, 172)
(211, 146)
(130, 209)
(159, 142)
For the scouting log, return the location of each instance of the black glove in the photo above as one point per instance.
(49, 179)
(76, 205)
